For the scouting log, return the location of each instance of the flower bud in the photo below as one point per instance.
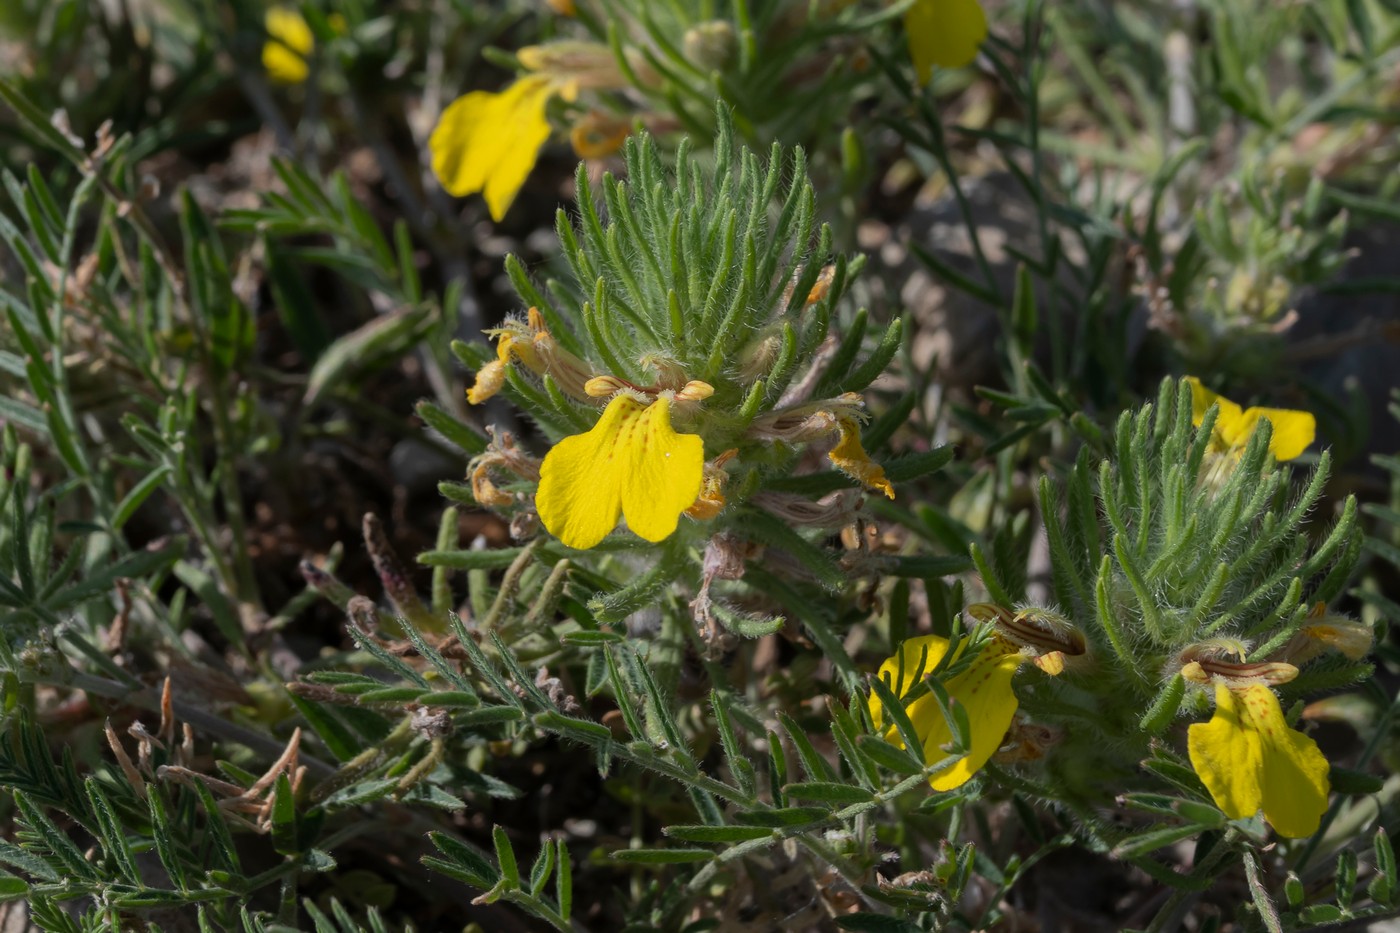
(574, 65)
(1049, 636)
(604, 386)
(711, 46)
(1324, 631)
(598, 135)
(1208, 662)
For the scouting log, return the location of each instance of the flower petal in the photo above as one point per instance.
(984, 690)
(667, 472)
(290, 41)
(1226, 753)
(946, 33)
(850, 458)
(631, 463)
(488, 143)
(1294, 431)
(1230, 431)
(489, 380)
(1294, 776)
(1351, 639)
(928, 649)
(1250, 760)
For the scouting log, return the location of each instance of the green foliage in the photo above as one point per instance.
(675, 735)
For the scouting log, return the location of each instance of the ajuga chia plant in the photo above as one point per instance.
(687, 382)
(1187, 586)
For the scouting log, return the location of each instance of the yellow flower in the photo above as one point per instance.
(815, 420)
(1250, 760)
(530, 343)
(487, 142)
(850, 458)
(1293, 430)
(983, 690)
(711, 500)
(1327, 631)
(946, 33)
(289, 44)
(630, 464)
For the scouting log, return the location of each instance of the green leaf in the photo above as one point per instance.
(490, 716)
(505, 857)
(15, 857)
(699, 833)
(765, 527)
(220, 606)
(661, 856)
(744, 624)
(370, 345)
(492, 559)
(463, 435)
(12, 888)
(1348, 781)
(153, 897)
(337, 736)
(24, 415)
(592, 639)
(1024, 319)
(888, 756)
(875, 923)
(136, 566)
(1164, 707)
(391, 695)
(39, 124)
(54, 839)
(1320, 914)
(915, 466)
(362, 793)
(285, 835)
(582, 730)
(564, 881)
(1154, 839)
(165, 838)
(782, 817)
(138, 494)
(225, 855)
(1383, 887)
(226, 324)
(829, 792)
(542, 869)
(433, 796)
(816, 766)
(296, 305)
(467, 863)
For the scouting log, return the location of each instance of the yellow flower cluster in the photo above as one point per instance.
(1248, 757)
(286, 55)
(289, 45)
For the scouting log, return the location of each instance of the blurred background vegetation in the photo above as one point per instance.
(234, 412)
